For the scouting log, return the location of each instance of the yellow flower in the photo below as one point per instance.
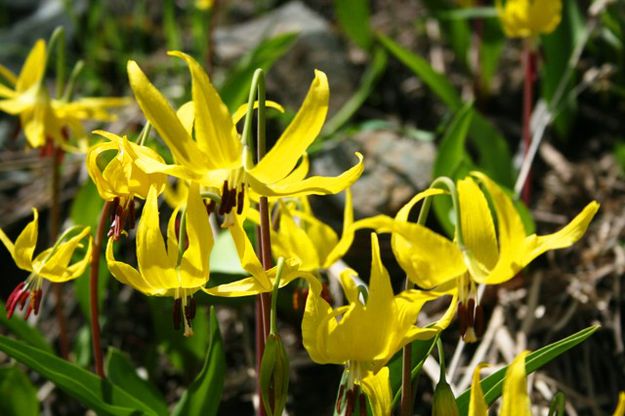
(204, 4)
(53, 264)
(122, 178)
(529, 18)
(207, 148)
(620, 407)
(484, 256)
(41, 117)
(178, 269)
(368, 331)
(515, 400)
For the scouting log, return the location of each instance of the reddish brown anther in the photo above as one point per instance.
(177, 314)
(479, 321)
(362, 403)
(14, 297)
(37, 300)
(462, 318)
(339, 399)
(225, 198)
(190, 308)
(210, 207)
(240, 199)
(471, 313)
(349, 410)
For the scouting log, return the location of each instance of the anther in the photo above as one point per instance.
(210, 207)
(362, 402)
(225, 196)
(471, 312)
(190, 308)
(232, 200)
(240, 199)
(114, 208)
(349, 410)
(479, 321)
(177, 315)
(37, 300)
(339, 399)
(462, 318)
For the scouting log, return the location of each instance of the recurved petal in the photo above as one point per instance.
(317, 323)
(567, 236)
(128, 275)
(378, 390)
(242, 110)
(515, 401)
(160, 114)
(34, 67)
(214, 131)
(33, 124)
(300, 134)
(8, 75)
(315, 185)
(249, 260)
(476, 221)
(293, 241)
(22, 250)
(477, 404)
(53, 264)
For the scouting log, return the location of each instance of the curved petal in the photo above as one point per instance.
(154, 264)
(34, 67)
(128, 275)
(292, 241)
(160, 114)
(349, 285)
(315, 185)
(476, 221)
(300, 134)
(515, 401)
(194, 267)
(53, 264)
(317, 323)
(186, 115)
(477, 404)
(214, 131)
(378, 389)
(22, 250)
(8, 75)
(620, 407)
(242, 110)
(249, 260)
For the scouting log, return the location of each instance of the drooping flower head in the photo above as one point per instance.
(529, 18)
(178, 268)
(121, 178)
(494, 246)
(370, 329)
(54, 264)
(207, 148)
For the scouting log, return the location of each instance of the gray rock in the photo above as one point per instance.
(317, 47)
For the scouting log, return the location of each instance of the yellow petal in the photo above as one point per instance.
(249, 260)
(128, 275)
(378, 390)
(186, 115)
(154, 263)
(477, 404)
(33, 124)
(160, 114)
(315, 185)
(292, 241)
(350, 288)
(214, 131)
(300, 134)
(317, 323)
(15, 105)
(194, 267)
(34, 67)
(53, 264)
(477, 224)
(515, 401)
(8, 75)
(22, 250)
(242, 110)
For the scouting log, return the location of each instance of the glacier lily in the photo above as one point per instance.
(53, 264)
(529, 18)
(208, 149)
(122, 178)
(41, 116)
(179, 269)
(479, 254)
(364, 334)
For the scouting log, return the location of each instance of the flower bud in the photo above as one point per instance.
(274, 375)
(444, 403)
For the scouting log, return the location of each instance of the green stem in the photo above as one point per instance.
(57, 42)
(182, 236)
(441, 358)
(274, 297)
(258, 84)
(71, 82)
(145, 132)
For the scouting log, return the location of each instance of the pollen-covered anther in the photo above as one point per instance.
(121, 214)
(470, 320)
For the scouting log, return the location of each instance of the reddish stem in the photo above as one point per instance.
(529, 66)
(93, 289)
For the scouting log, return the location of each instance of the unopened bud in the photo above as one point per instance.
(274, 375)
(444, 403)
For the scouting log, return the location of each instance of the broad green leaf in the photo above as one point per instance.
(367, 83)
(463, 13)
(122, 373)
(203, 396)
(439, 84)
(493, 384)
(23, 330)
(100, 395)
(353, 17)
(19, 396)
(420, 351)
(236, 87)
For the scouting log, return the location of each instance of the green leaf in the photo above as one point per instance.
(452, 160)
(353, 17)
(437, 82)
(367, 84)
(492, 150)
(86, 206)
(236, 87)
(100, 395)
(203, 396)
(122, 373)
(492, 385)
(19, 396)
(21, 329)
